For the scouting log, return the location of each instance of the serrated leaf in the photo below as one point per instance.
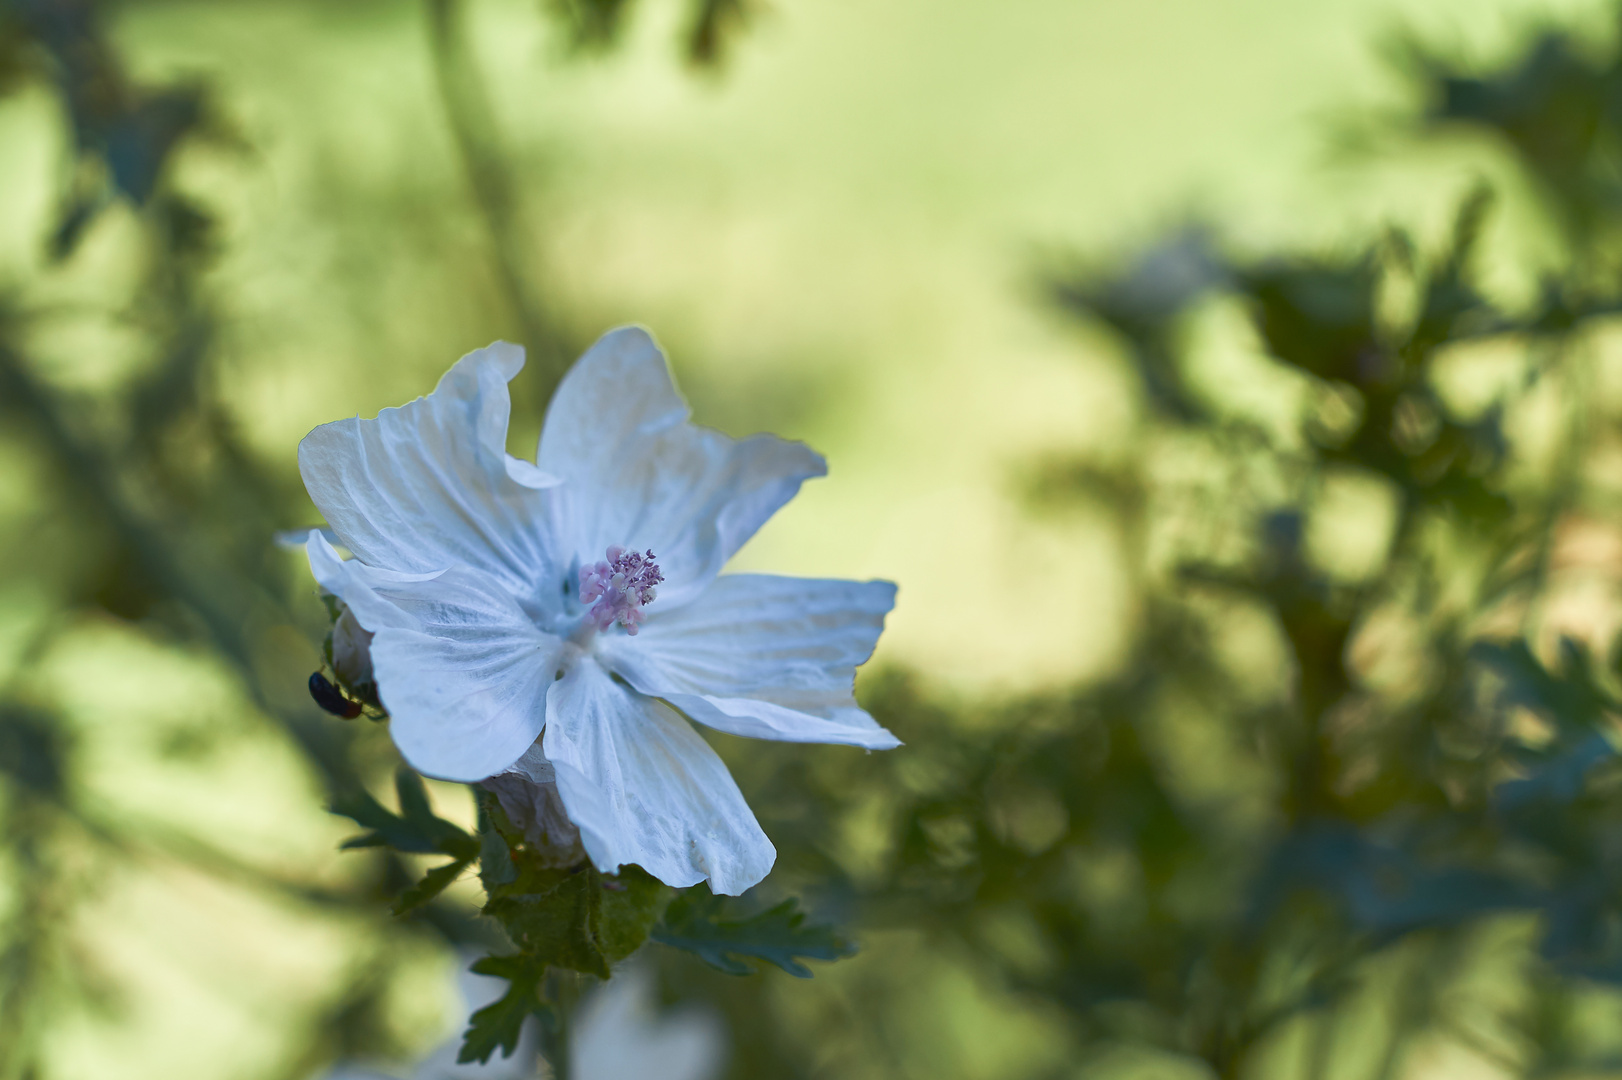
(696, 922)
(419, 814)
(388, 828)
(1570, 694)
(500, 1024)
(432, 884)
(416, 829)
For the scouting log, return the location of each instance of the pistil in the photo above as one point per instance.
(621, 586)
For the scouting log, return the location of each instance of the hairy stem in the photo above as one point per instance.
(563, 992)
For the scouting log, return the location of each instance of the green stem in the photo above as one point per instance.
(474, 130)
(26, 964)
(218, 601)
(563, 992)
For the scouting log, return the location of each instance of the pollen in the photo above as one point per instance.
(622, 585)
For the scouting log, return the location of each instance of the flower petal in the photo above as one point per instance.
(461, 669)
(430, 485)
(639, 475)
(645, 788)
(765, 656)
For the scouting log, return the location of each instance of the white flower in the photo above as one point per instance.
(547, 621)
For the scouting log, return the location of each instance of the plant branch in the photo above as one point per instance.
(473, 127)
(215, 602)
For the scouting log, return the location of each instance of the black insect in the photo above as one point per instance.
(332, 699)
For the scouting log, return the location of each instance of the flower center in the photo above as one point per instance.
(621, 586)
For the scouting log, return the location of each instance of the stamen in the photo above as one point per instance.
(621, 585)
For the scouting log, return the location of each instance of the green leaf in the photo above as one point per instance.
(419, 815)
(388, 829)
(573, 917)
(569, 917)
(432, 884)
(550, 915)
(415, 829)
(630, 904)
(695, 921)
(495, 860)
(501, 1024)
(497, 836)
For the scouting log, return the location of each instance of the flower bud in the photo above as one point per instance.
(536, 808)
(352, 655)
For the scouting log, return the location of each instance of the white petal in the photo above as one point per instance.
(645, 788)
(638, 474)
(461, 669)
(430, 485)
(764, 656)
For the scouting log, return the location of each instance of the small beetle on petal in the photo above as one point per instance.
(332, 699)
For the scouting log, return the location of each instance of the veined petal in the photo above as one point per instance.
(765, 656)
(639, 475)
(430, 484)
(643, 787)
(461, 669)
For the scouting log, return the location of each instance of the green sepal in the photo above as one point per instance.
(696, 922)
(501, 1024)
(628, 905)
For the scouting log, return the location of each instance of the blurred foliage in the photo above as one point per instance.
(1294, 864)
(1361, 748)
(171, 519)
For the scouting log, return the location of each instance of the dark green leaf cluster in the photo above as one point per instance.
(1557, 107)
(125, 133)
(157, 515)
(1219, 864)
(146, 510)
(569, 918)
(1383, 809)
(416, 830)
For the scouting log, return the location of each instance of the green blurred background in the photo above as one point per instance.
(843, 232)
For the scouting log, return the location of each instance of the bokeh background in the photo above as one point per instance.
(1149, 626)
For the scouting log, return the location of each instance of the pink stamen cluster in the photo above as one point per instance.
(621, 586)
